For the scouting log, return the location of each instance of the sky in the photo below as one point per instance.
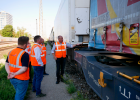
(25, 13)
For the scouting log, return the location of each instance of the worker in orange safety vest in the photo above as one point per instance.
(37, 57)
(59, 54)
(44, 59)
(28, 50)
(17, 68)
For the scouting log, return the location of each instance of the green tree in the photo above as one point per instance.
(14, 33)
(21, 31)
(0, 32)
(7, 31)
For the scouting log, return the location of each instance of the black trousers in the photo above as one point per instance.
(30, 68)
(60, 63)
(44, 68)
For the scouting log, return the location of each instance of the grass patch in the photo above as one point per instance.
(79, 97)
(50, 44)
(71, 88)
(45, 43)
(7, 91)
(67, 81)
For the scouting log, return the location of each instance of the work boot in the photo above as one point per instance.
(41, 95)
(45, 74)
(58, 80)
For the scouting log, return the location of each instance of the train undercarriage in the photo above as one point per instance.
(112, 76)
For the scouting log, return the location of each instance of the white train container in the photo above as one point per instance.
(72, 21)
(51, 36)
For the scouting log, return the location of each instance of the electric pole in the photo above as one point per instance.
(40, 19)
(36, 28)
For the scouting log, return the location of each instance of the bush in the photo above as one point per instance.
(79, 97)
(71, 88)
(7, 91)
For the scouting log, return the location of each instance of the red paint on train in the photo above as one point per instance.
(113, 43)
(130, 2)
(101, 7)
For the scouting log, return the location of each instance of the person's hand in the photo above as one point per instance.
(8, 77)
(11, 75)
(55, 58)
(78, 44)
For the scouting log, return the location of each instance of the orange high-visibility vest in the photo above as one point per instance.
(29, 51)
(60, 50)
(33, 58)
(14, 58)
(43, 48)
(28, 48)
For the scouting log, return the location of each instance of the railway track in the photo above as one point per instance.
(7, 47)
(7, 42)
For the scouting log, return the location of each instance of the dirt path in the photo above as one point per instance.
(54, 91)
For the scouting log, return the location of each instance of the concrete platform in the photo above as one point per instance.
(54, 91)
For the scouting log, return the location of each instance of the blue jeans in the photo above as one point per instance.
(20, 87)
(38, 76)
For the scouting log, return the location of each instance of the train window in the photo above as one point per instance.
(80, 38)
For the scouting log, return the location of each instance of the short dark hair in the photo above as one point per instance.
(59, 36)
(36, 38)
(23, 40)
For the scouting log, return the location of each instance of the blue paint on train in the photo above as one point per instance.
(93, 14)
(98, 39)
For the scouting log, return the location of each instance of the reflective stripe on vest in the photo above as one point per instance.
(60, 45)
(17, 60)
(34, 55)
(34, 61)
(40, 55)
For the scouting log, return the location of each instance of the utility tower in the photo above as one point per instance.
(40, 19)
(36, 28)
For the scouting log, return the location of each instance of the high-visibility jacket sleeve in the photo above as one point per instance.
(38, 55)
(53, 49)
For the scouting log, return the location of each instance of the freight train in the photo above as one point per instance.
(111, 62)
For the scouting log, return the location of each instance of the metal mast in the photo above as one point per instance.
(40, 19)
(36, 28)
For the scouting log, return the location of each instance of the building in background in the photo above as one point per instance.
(5, 19)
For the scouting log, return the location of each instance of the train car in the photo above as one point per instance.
(72, 21)
(111, 64)
(51, 36)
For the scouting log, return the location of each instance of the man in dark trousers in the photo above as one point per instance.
(59, 54)
(37, 58)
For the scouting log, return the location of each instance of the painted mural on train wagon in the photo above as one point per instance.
(115, 25)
